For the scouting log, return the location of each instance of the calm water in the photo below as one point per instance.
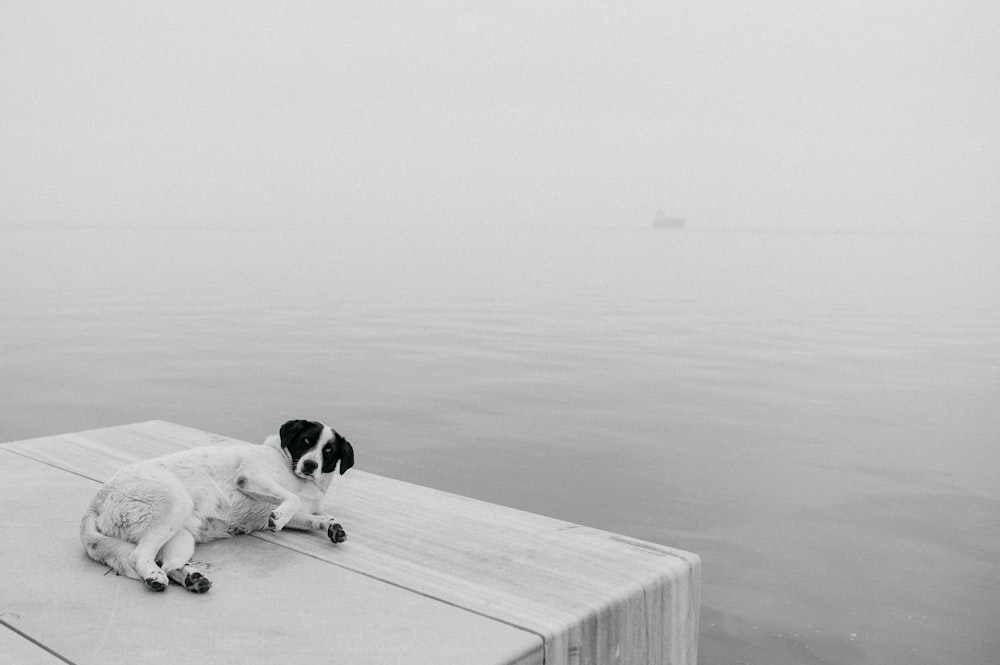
(817, 415)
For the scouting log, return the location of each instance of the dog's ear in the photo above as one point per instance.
(345, 452)
(290, 430)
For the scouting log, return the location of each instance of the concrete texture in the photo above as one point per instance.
(426, 576)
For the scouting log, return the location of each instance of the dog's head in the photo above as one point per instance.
(315, 448)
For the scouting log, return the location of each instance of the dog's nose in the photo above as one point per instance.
(308, 467)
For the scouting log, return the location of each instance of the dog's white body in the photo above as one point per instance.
(151, 513)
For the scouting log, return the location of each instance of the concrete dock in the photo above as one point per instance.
(425, 577)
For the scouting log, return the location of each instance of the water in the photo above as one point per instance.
(816, 414)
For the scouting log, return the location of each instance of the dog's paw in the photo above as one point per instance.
(277, 520)
(195, 582)
(156, 581)
(336, 533)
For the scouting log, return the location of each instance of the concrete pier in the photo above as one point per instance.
(425, 577)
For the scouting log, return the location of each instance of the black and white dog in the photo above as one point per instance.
(145, 521)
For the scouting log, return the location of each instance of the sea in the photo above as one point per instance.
(815, 413)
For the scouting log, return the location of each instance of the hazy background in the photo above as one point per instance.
(864, 115)
(431, 227)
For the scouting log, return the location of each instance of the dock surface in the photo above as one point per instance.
(425, 577)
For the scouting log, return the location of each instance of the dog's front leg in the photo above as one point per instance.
(266, 490)
(307, 522)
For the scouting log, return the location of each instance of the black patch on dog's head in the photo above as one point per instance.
(299, 436)
(337, 448)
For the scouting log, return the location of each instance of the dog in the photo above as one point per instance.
(145, 521)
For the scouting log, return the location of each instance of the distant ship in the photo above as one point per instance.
(662, 221)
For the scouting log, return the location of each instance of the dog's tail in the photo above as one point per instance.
(112, 552)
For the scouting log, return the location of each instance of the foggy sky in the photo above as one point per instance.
(856, 115)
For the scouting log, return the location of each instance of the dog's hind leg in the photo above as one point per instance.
(168, 520)
(143, 557)
(176, 558)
